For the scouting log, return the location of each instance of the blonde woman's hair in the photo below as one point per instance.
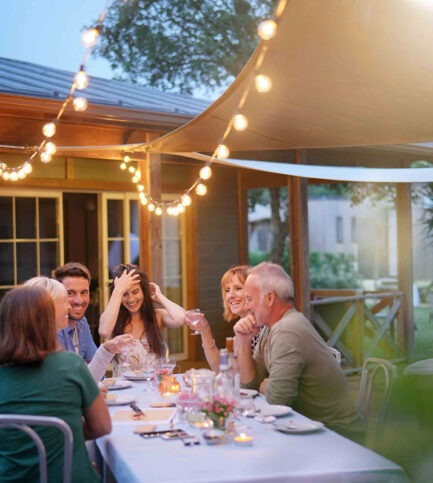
(55, 288)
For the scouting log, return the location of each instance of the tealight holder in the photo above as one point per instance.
(213, 436)
(169, 387)
(243, 436)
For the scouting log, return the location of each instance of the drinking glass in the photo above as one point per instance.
(193, 316)
(148, 369)
(168, 363)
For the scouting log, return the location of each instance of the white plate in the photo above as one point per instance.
(120, 400)
(248, 393)
(115, 384)
(274, 410)
(134, 376)
(298, 427)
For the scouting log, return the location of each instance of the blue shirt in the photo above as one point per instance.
(86, 346)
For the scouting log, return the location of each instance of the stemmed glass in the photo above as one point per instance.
(168, 363)
(148, 369)
(193, 316)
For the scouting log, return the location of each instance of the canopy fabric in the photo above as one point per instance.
(354, 174)
(344, 73)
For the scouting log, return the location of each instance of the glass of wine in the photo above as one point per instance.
(148, 369)
(193, 316)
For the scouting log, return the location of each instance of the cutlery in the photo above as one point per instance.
(138, 412)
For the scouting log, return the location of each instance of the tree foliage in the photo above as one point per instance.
(181, 45)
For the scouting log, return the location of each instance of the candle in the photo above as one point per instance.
(243, 440)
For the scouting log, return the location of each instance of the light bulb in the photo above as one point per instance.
(180, 208)
(140, 187)
(151, 207)
(27, 168)
(131, 169)
(222, 151)
(123, 166)
(21, 173)
(186, 199)
(143, 199)
(81, 80)
(49, 129)
(13, 176)
(263, 83)
(240, 122)
(45, 157)
(1, 170)
(201, 189)
(138, 173)
(80, 104)
(267, 29)
(169, 210)
(205, 172)
(5, 175)
(158, 211)
(126, 158)
(134, 179)
(89, 37)
(50, 148)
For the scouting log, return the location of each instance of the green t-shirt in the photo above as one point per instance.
(62, 386)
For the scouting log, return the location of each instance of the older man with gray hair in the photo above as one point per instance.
(291, 365)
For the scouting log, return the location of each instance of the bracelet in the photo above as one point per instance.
(209, 346)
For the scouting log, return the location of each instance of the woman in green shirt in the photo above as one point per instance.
(37, 379)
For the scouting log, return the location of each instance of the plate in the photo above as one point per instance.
(298, 427)
(274, 410)
(119, 400)
(134, 376)
(248, 393)
(115, 384)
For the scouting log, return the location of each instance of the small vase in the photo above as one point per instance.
(219, 422)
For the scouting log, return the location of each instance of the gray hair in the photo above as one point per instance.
(55, 288)
(271, 277)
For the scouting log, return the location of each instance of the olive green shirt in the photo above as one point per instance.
(303, 373)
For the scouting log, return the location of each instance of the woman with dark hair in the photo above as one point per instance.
(131, 310)
(232, 292)
(37, 378)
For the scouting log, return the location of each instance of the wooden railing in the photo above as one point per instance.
(359, 324)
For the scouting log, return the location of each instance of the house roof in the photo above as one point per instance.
(33, 80)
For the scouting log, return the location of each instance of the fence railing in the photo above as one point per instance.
(359, 324)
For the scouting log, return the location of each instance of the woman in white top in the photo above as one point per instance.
(105, 352)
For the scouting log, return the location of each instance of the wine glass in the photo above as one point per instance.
(169, 363)
(193, 316)
(148, 369)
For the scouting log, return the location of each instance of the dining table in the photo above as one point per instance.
(308, 453)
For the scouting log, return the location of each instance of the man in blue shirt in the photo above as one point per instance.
(77, 336)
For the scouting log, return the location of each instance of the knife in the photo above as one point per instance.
(137, 410)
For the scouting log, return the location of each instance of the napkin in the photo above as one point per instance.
(149, 415)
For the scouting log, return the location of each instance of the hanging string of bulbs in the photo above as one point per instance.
(262, 83)
(47, 148)
(266, 30)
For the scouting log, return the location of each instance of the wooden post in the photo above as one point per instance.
(405, 266)
(299, 244)
(151, 224)
(243, 220)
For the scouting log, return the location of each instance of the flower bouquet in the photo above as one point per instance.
(162, 372)
(218, 409)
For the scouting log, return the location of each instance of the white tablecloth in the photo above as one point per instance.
(322, 456)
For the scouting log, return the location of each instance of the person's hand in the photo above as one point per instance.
(155, 291)
(126, 281)
(201, 326)
(245, 329)
(117, 344)
(263, 385)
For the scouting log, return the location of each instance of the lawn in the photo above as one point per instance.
(423, 338)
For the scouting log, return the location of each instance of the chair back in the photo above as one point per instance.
(23, 423)
(377, 378)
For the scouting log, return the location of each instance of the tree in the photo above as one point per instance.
(181, 45)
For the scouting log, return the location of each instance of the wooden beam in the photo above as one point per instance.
(405, 266)
(299, 244)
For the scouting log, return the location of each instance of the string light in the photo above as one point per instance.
(266, 30)
(80, 104)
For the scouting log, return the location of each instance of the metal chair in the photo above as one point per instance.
(377, 378)
(23, 423)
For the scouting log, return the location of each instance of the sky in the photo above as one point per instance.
(48, 32)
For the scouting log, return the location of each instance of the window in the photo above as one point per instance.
(353, 230)
(31, 236)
